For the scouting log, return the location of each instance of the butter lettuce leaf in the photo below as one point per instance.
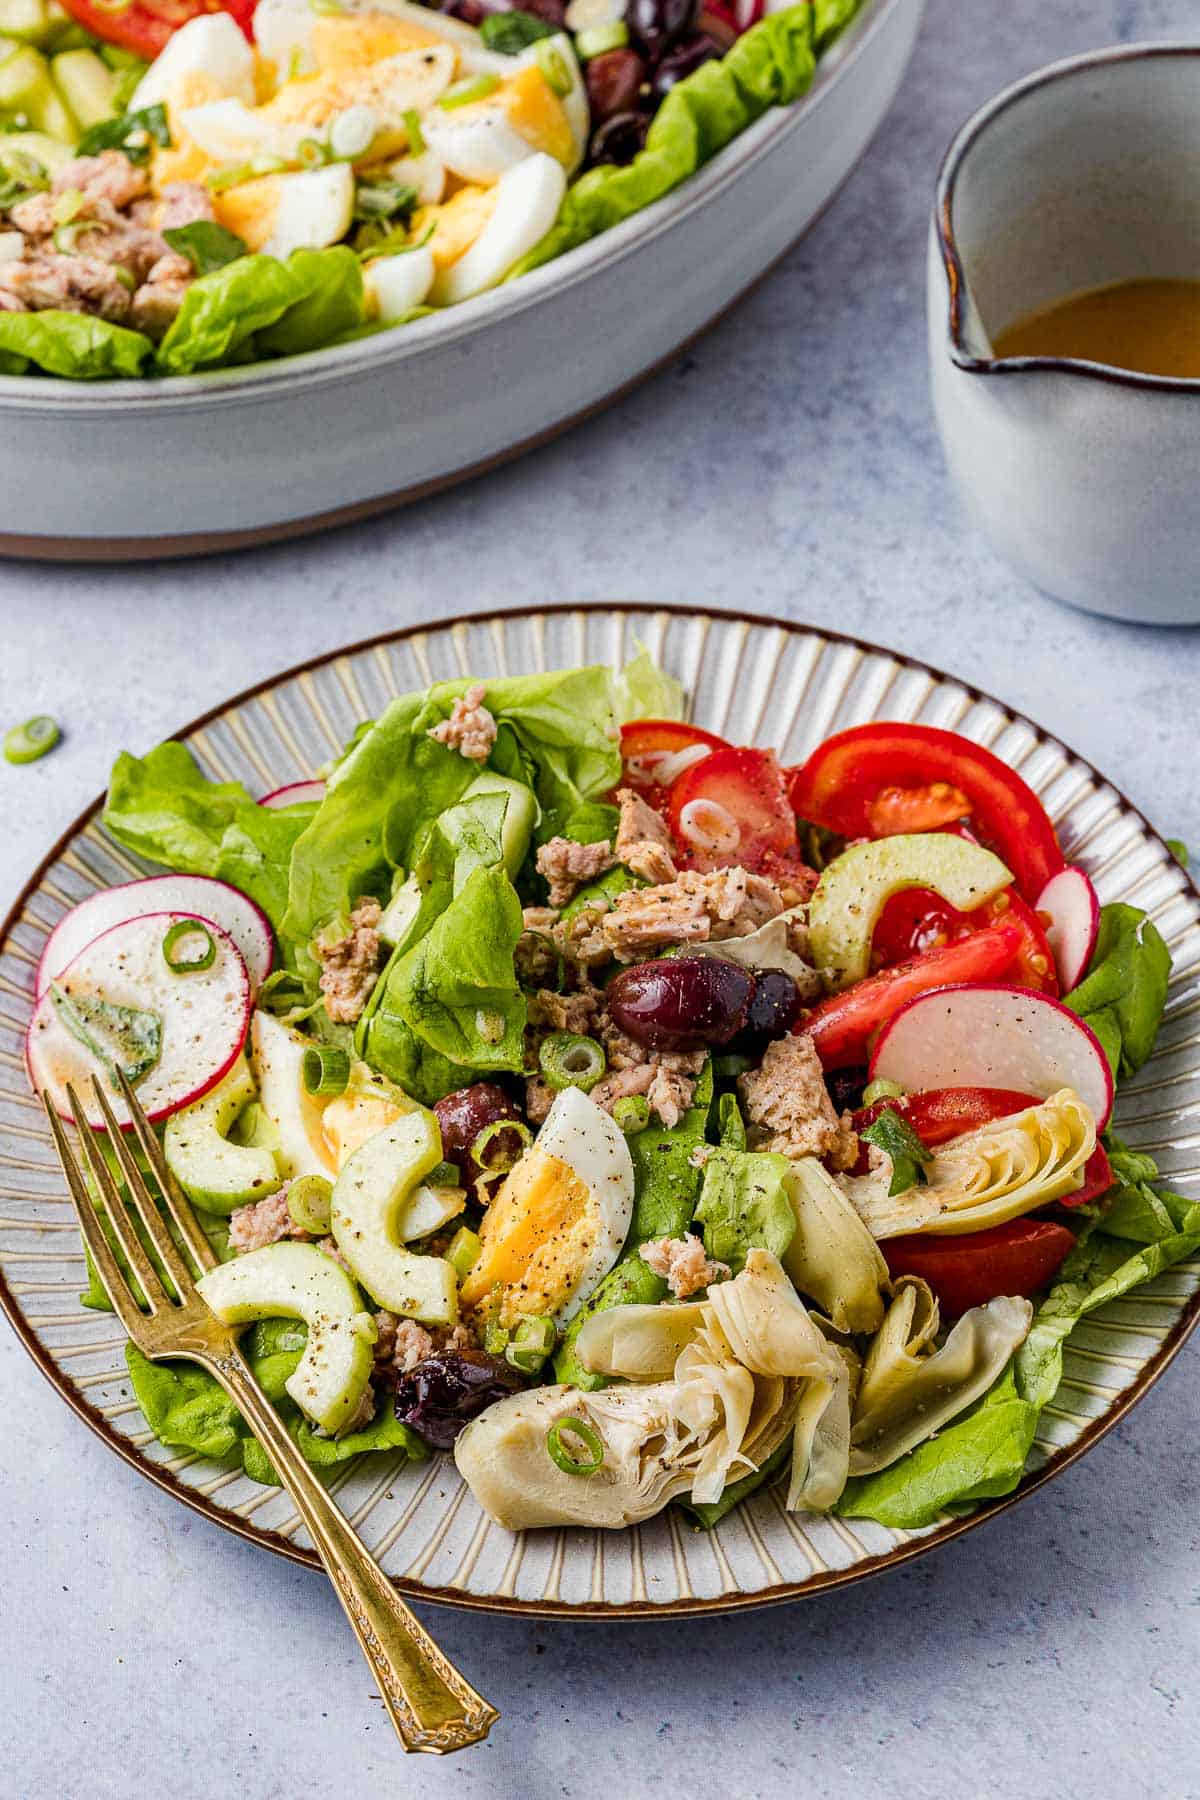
(222, 311)
(331, 303)
(75, 345)
(744, 1205)
(1125, 989)
(451, 1010)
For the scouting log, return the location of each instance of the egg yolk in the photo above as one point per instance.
(250, 210)
(182, 160)
(457, 222)
(348, 42)
(535, 1238)
(351, 1119)
(536, 113)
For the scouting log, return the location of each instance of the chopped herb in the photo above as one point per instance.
(511, 32)
(21, 176)
(894, 1135)
(119, 1037)
(377, 200)
(207, 246)
(131, 133)
(1179, 850)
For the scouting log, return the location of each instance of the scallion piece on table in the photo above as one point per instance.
(36, 737)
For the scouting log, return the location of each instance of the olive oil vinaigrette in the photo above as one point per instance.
(1149, 327)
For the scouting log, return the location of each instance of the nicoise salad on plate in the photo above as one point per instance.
(184, 188)
(637, 1119)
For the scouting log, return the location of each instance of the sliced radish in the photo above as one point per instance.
(294, 794)
(201, 895)
(1071, 912)
(203, 1017)
(986, 1034)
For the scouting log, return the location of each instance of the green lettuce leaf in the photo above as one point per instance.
(554, 733)
(75, 345)
(385, 1432)
(644, 691)
(744, 1205)
(769, 65)
(1125, 989)
(162, 807)
(222, 311)
(666, 1188)
(451, 1010)
(331, 302)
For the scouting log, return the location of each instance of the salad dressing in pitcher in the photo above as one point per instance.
(1150, 327)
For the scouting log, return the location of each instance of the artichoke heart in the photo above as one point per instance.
(989, 1175)
(833, 1258)
(910, 1389)
(743, 1363)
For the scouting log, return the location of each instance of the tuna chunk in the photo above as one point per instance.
(568, 866)
(643, 841)
(470, 729)
(694, 908)
(109, 177)
(185, 203)
(787, 1098)
(82, 284)
(263, 1222)
(351, 965)
(682, 1264)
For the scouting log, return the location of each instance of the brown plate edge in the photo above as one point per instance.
(1151, 1371)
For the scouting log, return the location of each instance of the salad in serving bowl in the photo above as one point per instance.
(637, 1118)
(304, 172)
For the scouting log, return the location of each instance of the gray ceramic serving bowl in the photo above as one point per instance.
(1085, 477)
(126, 470)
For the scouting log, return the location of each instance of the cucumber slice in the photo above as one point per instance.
(368, 1198)
(520, 816)
(53, 156)
(85, 84)
(215, 1174)
(856, 886)
(28, 21)
(51, 114)
(277, 1054)
(298, 1281)
(24, 79)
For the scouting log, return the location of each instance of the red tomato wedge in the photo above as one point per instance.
(849, 785)
(732, 808)
(649, 744)
(919, 920)
(144, 26)
(841, 1026)
(1097, 1179)
(940, 1114)
(1021, 1257)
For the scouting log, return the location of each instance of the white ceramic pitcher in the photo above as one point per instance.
(1086, 477)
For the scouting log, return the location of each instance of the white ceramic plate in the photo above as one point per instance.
(753, 681)
(265, 452)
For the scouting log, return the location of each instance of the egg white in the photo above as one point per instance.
(584, 1137)
(210, 44)
(528, 197)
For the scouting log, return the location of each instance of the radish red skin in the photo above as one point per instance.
(914, 1049)
(1071, 904)
(192, 895)
(294, 794)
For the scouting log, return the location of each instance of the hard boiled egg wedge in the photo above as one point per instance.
(481, 141)
(555, 57)
(557, 1225)
(281, 213)
(407, 83)
(394, 285)
(525, 206)
(296, 39)
(209, 46)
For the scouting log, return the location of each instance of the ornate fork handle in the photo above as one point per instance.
(432, 1707)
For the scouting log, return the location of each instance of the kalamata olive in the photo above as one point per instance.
(619, 139)
(614, 81)
(774, 1005)
(680, 1002)
(464, 1114)
(440, 1395)
(552, 12)
(681, 60)
(654, 25)
(469, 11)
(846, 1087)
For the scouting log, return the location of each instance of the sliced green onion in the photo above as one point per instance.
(505, 1160)
(729, 1066)
(326, 1070)
(495, 1339)
(560, 1454)
(443, 1174)
(881, 1090)
(632, 1113)
(530, 1344)
(601, 38)
(234, 174)
(36, 737)
(311, 153)
(462, 93)
(567, 1060)
(413, 132)
(179, 933)
(464, 1250)
(308, 1201)
(328, 8)
(67, 206)
(554, 66)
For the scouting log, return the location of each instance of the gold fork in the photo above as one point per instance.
(431, 1706)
